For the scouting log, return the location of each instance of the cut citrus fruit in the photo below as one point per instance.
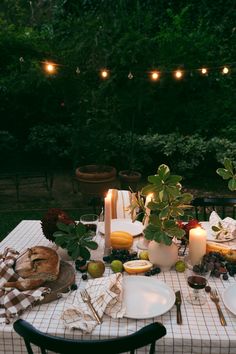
(137, 266)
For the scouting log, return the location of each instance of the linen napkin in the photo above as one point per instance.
(13, 301)
(223, 229)
(106, 297)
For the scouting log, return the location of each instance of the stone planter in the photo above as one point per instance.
(162, 255)
(129, 179)
(95, 180)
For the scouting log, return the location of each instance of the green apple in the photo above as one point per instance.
(96, 269)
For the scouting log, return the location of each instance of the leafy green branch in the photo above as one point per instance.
(76, 238)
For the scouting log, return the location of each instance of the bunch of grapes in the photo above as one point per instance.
(153, 271)
(121, 255)
(217, 264)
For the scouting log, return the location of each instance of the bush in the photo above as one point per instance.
(51, 141)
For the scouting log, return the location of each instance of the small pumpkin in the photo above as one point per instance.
(121, 240)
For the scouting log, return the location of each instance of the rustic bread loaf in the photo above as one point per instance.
(36, 265)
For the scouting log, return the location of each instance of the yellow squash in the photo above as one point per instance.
(121, 240)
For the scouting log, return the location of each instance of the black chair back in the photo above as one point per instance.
(145, 336)
(223, 206)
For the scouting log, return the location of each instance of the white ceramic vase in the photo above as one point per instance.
(162, 255)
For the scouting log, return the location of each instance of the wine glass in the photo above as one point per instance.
(197, 279)
(90, 221)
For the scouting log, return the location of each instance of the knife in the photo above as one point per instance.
(178, 302)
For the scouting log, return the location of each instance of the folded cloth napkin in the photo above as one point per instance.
(223, 229)
(106, 297)
(13, 301)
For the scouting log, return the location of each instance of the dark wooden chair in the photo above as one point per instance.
(223, 206)
(145, 336)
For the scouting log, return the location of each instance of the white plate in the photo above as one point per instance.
(134, 228)
(146, 297)
(229, 296)
(210, 234)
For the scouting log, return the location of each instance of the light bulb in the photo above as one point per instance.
(155, 75)
(178, 74)
(225, 70)
(50, 68)
(204, 71)
(104, 74)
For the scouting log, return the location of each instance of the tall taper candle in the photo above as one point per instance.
(197, 244)
(107, 222)
(147, 210)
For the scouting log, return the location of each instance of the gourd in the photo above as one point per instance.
(121, 240)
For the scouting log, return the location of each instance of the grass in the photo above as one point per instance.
(9, 219)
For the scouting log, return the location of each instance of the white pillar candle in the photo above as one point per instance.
(197, 245)
(107, 221)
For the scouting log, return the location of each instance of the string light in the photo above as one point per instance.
(204, 71)
(225, 70)
(50, 68)
(77, 70)
(178, 74)
(155, 75)
(130, 76)
(104, 73)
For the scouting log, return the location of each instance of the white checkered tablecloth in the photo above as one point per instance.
(200, 333)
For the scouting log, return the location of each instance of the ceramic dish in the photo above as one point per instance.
(229, 296)
(146, 297)
(134, 228)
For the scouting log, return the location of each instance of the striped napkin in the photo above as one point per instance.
(106, 297)
(13, 301)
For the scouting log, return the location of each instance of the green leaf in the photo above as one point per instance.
(232, 184)
(215, 228)
(84, 253)
(91, 245)
(225, 174)
(164, 212)
(63, 227)
(228, 165)
(156, 180)
(163, 171)
(59, 234)
(75, 254)
(174, 179)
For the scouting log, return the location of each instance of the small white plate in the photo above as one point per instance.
(146, 297)
(134, 228)
(210, 234)
(229, 296)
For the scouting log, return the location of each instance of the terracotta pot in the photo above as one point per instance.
(129, 179)
(162, 255)
(95, 180)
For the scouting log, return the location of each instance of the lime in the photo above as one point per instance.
(180, 266)
(116, 266)
(144, 255)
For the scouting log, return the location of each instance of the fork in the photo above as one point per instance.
(87, 299)
(215, 298)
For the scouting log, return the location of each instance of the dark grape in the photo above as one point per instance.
(84, 276)
(208, 288)
(80, 262)
(225, 276)
(73, 287)
(107, 259)
(148, 273)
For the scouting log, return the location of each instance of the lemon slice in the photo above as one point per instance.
(137, 266)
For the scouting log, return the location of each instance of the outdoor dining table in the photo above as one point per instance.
(201, 331)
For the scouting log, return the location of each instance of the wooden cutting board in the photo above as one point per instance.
(62, 284)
